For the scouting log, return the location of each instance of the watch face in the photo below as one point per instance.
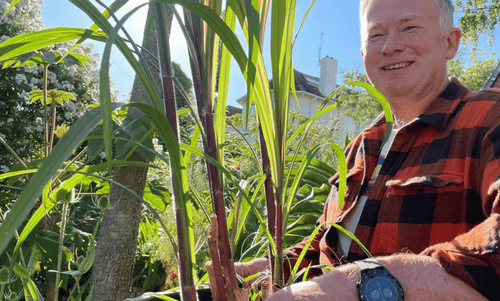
(379, 286)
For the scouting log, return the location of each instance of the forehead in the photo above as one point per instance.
(380, 12)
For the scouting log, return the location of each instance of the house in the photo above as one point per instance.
(312, 92)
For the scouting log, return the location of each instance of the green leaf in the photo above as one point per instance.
(231, 178)
(31, 292)
(117, 4)
(52, 95)
(385, 105)
(32, 41)
(342, 173)
(12, 4)
(62, 150)
(140, 67)
(157, 196)
(104, 84)
(88, 261)
(21, 271)
(216, 24)
(71, 273)
(132, 132)
(295, 185)
(76, 59)
(49, 57)
(69, 184)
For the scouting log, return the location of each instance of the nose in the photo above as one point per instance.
(393, 43)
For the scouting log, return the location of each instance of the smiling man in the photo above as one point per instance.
(426, 203)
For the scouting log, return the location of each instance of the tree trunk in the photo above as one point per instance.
(117, 238)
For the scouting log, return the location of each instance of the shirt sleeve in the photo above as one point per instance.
(474, 256)
(312, 254)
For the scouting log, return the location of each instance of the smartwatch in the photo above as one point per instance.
(377, 283)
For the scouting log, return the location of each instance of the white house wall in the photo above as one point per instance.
(309, 104)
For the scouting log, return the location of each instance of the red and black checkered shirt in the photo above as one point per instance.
(437, 193)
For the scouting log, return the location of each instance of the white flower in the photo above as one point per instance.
(66, 85)
(51, 76)
(24, 95)
(4, 38)
(9, 120)
(29, 69)
(28, 129)
(102, 155)
(21, 78)
(4, 168)
(67, 115)
(35, 80)
(70, 106)
(39, 128)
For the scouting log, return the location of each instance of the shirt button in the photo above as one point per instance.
(421, 192)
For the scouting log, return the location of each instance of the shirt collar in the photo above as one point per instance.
(441, 109)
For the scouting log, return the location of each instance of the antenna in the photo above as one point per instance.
(319, 50)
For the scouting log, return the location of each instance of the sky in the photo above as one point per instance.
(331, 29)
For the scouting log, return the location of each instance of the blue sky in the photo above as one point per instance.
(336, 20)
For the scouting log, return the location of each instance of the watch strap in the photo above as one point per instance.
(369, 263)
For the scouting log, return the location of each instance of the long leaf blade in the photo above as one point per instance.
(62, 150)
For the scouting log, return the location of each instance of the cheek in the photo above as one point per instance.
(370, 58)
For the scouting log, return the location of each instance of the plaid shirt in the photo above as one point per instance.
(437, 193)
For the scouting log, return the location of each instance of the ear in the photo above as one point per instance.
(362, 53)
(453, 41)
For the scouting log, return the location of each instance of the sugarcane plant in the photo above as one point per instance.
(209, 29)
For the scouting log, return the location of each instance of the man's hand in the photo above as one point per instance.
(422, 279)
(244, 269)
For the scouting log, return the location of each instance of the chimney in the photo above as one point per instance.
(328, 76)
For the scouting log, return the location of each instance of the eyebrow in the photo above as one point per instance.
(401, 21)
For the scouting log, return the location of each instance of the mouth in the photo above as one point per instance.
(397, 66)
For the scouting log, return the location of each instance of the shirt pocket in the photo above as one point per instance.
(425, 200)
(421, 211)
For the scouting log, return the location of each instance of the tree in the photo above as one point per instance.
(480, 17)
(185, 82)
(117, 241)
(474, 75)
(357, 102)
(20, 120)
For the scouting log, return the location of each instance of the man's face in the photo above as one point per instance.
(403, 48)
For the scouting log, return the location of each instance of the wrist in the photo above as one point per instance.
(377, 282)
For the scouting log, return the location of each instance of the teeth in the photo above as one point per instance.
(397, 66)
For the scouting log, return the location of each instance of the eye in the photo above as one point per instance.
(410, 28)
(376, 35)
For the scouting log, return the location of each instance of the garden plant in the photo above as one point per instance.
(275, 197)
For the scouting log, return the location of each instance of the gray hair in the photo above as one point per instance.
(445, 17)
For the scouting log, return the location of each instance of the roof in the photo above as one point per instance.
(230, 110)
(305, 82)
(493, 80)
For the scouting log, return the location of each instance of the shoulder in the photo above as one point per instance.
(486, 95)
(480, 108)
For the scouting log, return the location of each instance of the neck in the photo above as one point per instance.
(407, 108)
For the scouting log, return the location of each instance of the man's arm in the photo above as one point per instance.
(422, 278)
